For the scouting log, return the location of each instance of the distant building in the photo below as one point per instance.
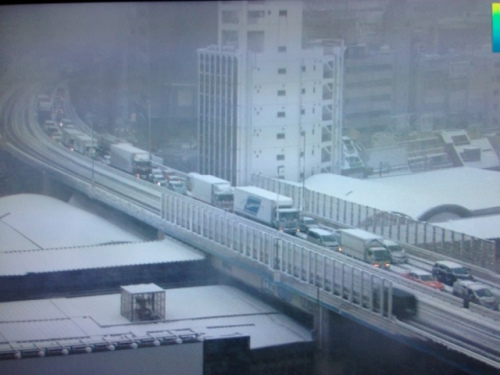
(458, 89)
(266, 104)
(467, 152)
(368, 88)
(430, 150)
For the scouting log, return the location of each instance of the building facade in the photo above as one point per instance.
(267, 104)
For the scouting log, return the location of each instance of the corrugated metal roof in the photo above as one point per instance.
(114, 255)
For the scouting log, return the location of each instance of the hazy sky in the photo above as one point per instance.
(81, 31)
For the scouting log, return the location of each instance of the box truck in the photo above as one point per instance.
(267, 207)
(365, 246)
(130, 159)
(84, 144)
(210, 189)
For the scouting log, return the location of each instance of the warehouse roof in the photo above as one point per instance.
(206, 312)
(43, 234)
(487, 227)
(418, 195)
(33, 221)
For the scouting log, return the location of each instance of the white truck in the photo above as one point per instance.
(272, 209)
(130, 159)
(365, 246)
(210, 189)
(84, 144)
(68, 137)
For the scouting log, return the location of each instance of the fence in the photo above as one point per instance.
(441, 242)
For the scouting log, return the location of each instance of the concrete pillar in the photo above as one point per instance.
(161, 235)
(47, 186)
(323, 333)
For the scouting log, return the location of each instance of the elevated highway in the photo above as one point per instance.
(290, 269)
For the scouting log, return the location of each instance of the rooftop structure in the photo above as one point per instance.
(51, 331)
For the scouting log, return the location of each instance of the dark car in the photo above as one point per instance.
(448, 272)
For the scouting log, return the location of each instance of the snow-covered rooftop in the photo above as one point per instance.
(459, 139)
(487, 227)
(416, 194)
(91, 257)
(32, 221)
(208, 311)
(43, 234)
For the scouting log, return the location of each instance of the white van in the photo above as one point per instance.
(323, 237)
(397, 253)
(475, 293)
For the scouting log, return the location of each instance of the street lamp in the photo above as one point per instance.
(92, 153)
(303, 134)
(149, 126)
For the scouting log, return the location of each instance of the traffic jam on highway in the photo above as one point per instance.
(266, 207)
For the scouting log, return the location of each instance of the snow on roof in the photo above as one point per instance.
(31, 221)
(266, 194)
(321, 231)
(485, 227)
(418, 193)
(459, 139)
(112, 255)
(43, 234)
(209, 311)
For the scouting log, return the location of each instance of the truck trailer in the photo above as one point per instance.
(210, 189)
(365, 246)
(269, 208)
(68, 137)
(130, 159)
(85, 145)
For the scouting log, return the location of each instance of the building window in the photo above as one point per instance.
(280, 157)
(303, 90)
(229, 16)
(281, 92)
(280, 136)
(302, 111)
(255, 41)
(254, 15)
(282, 71)
(283, 13)
(281, 114)
(282, 49)
(230, 38)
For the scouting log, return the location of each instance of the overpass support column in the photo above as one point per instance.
(47, 184)
(323, 334)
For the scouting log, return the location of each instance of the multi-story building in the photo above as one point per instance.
(267, 105)
(368, 88)
(458, 89)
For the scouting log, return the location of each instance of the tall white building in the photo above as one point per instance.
(267, 105)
